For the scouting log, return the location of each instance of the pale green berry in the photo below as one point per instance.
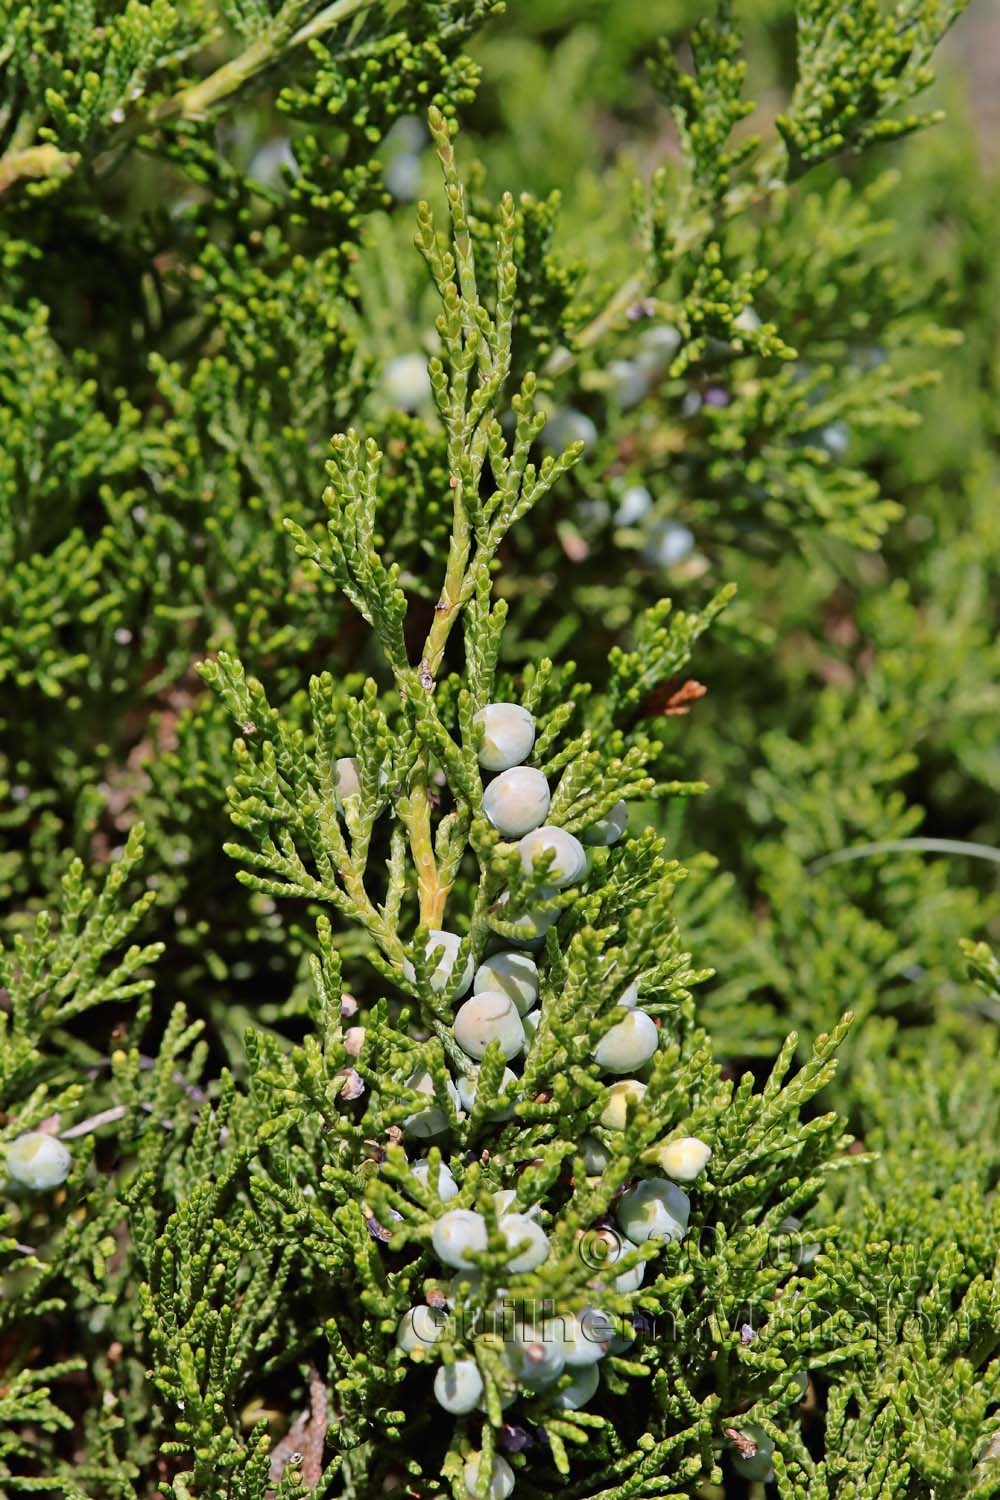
(508, 735)
(580, 1390)
(628, 1045)
(536, 1356)
(515, 974)
(517, 801)
(501, 1483)
(530, 1023)
(758, 1465)
(531, 926)
(432, 1120)
(609, 829)
(459, 1233)
(489, 1017)
(419, 1328)
(596, 1155)
(569, 862)
(586, 1336)
(629, 1091)
(684, 1158)
(655, 1210)
(444, 1184)
(468, 1083)
(527, 1240)
(444, 962)
(38, 1161)
(458, 1387)
(405, 381)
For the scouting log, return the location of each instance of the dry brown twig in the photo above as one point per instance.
(304, 1441)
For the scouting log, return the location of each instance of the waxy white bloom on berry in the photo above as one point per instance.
(624, 1338)
(536, 1356)
(459, 1233)
(655, 1210)
(354, 1040)
(585, 1337)
(614, 1116)
(633, 505)
(668, 543)
(346, 779)
(517, 801)
(580, 1389)
(568, 426)
(501, 1483)
(800, 1252)
(38, 1161)
(444, 1184)
(569, 862)
(629, 381)
(489, 1017)
(756, 1465)
(458, 1387)
(628, 1280)
(405, 381)
(531, 926)
(596, 1155)
(508, 735)
(609, 829)
(515, 974)
(432, 1120)
(748, 320)
(628, 1045)
(684, 1158)
(419, 1328)
(444, 966)
(526, 1239)
(468, 1083)
(504, 1200)
(657, 346)
(604, 1249)
(464, 1287)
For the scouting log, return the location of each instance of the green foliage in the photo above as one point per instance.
(675, 383)
(855, 66)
